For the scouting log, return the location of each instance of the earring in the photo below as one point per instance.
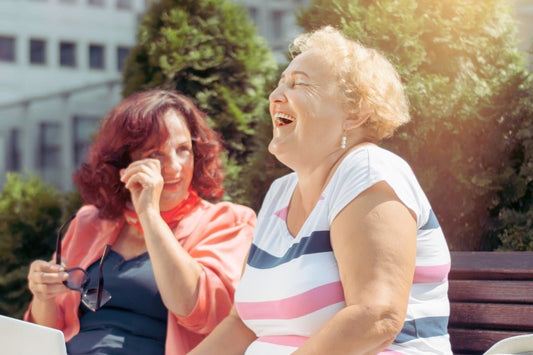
(343, 141)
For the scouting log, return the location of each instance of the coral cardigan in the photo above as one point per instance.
(217, 236)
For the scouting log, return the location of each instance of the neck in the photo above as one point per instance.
(312, 181)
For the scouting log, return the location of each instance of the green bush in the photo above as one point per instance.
(511, 225)
(30, 213)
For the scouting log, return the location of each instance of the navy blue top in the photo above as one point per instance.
(134, 321)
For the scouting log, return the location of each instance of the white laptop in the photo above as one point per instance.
(18, 337)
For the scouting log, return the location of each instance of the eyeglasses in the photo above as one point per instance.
(78, 278)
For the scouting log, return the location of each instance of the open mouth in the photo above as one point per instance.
(282, 119)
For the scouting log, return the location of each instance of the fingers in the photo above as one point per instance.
(144, 180)
(45, 279)
(141, 174)
(145, 168)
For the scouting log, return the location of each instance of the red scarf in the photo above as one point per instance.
(171, 217)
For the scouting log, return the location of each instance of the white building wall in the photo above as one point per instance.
(55, 21)
(275, 22)
(524, 16)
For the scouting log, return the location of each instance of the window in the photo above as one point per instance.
(124, 4)
(122, 54)
(7, 49)
(50, 151)
(67, 54)
(252, 12)
(277, 23)
(37, 51)
(14, 155)
(84, 128)
(96, 56)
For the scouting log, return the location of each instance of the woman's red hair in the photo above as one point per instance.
(126, 128)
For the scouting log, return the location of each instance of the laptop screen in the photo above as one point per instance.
(25, 338)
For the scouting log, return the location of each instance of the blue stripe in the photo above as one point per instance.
(423, 328)
(317, 242)
(432, 222)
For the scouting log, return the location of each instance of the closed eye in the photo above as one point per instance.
(154, 155)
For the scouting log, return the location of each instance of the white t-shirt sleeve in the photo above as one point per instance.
(367, 166)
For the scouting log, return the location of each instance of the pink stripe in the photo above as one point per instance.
(390, 352)
(282, 213)
(287, 340)
(295, 306)
(429, 274)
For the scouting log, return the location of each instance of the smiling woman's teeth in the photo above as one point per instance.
(283, 119)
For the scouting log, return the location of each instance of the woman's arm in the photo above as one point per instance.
(195, 283)
(231, 336)
(374, 241)
(177, 274)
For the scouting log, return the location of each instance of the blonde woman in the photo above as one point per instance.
(347, 256)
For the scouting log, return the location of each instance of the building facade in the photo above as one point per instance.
(524, 17)
(60, 72)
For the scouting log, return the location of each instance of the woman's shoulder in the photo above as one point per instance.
(372, 153)
(88, 221)
(87, 212)
(225, 210)
(373, 160)
(90, 215)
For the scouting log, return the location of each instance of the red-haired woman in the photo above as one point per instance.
(155, 264)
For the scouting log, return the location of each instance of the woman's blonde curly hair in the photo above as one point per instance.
(369, 81)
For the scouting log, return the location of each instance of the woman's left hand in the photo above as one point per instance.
(144, 181)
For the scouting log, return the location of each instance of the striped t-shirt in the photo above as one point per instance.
(291, 285)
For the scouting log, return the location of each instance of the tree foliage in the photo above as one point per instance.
(463, 73)
(30, 213)
(210, 51)
(511, 224)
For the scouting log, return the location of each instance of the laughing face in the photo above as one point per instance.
(176, 157)
(307, 110)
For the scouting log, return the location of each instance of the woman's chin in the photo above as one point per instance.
(169, 200)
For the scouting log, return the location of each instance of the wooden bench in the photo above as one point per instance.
(491, 296)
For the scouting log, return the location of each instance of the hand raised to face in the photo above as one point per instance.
(145, 182)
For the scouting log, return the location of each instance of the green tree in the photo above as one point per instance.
(210, 51)
(462, 71)
(511, 224)
(30, 213)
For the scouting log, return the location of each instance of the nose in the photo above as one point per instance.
(172, 165)
(277, 95)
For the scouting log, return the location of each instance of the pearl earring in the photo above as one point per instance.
(343, 142)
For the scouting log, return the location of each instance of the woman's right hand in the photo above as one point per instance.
(45, 280)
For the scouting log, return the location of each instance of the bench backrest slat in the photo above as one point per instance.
(477, 265)
(491, 298)
(492, 316)
(491, 291)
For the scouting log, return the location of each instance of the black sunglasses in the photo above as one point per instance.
(78, 278)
